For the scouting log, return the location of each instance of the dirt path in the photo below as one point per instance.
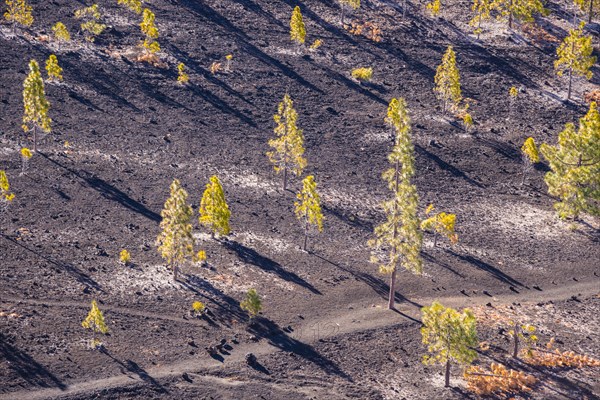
(355, 319)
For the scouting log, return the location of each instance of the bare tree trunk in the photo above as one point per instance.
(175, 272)
(591, 11)
(447, 375)
(343, 14)
(479, 26)
(404, 9)
(285, 178)
(392, 295)
(570, 83)
(305, 234)
(510, 14)
(516, 333)
(35, 138)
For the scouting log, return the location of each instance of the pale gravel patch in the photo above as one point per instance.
(274, 244)
(248, 179)
(151, 279)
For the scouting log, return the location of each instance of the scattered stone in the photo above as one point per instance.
(250, 359)
(536, 287)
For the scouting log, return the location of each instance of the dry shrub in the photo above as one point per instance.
(370, 30)
(152, 59)
(594, 95)
(539, 34)
(550, 357)
(498, 380)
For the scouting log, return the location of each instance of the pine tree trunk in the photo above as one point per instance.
(516, 332)
(591, 11)
(404, 9)
(447, 375)
(35, 138)
(343, 12)
(305, 234)
(285, 178)
(510, 14)
(392, 295)
(570, 83)
(479, 26)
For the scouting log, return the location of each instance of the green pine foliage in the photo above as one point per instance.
(133, 5)
(575, 167)
(60, 33)
(297, 28)
(91, 25)
(35, 115)
(18, 13)
(399, 239)
(447, 81)
(354, 4)
(482, 10)
(252, 304)
(288, 145)
(53, 69)
(5, 195)
(214, 211)
(450, 336)
(94, 321)
(150, 31)
(518, 10)
(591, 7)
(308, 207)
(175, 241)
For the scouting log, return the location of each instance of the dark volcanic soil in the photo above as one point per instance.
(131, 129)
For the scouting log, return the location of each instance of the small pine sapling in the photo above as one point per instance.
(215, 67)
(35, 115)
(589, 6)
(447, 81)
(450, 336)
(214, 211)
(482, 9)
(26, 155)
(53, 69)
(175, 242)
(513, 95)
(5, 195)
(434, 7)
(297, 28)
(182, 77)
(288, 146)
(150, 32)
(198, 308)
(252, 304)
(574, 175)
(522, 333)
(308, 207)
(124, 257)
(575, 56)
(91, 25)
(362, 74)
(467, 121)
(133, 5)
(201, 258)
(316, 44)
(440, 224)
(18, 12)
(354, 4)
(518, 10)
(228, 59)
(95, 322)
(529, 155)
(61, 34)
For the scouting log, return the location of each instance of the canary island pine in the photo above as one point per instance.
(214, 211)
(354, 4)
(124, 257)
(450, 336)
(95, 322)
(482, 9)
(182, 77)
(362, 74)
(288, 145)
(530, 156)
(91, 25)
(308, 207)
(175, 242)
(522, 333)
(60, 33)
(518, 10)
(150, 32)
(5, 195)
(133, 5)
(252, 304)
(447, 81)
(35, 115)
(434, 7)
(575, 56)
(440, 224)
(590, 6)
(297, 28)
(53, 69)
(574, 175)
(198, 308)
(398, 240)
(26, 155)
(18, 12)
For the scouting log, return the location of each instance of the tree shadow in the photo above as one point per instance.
(428, 257)
(266, 329)
(108, 191)
(484, 266)
(351, 220)
(250, 256)
(27, 368)
(447, 167)
(69, 268)
(133, 367)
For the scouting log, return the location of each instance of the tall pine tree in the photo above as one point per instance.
(214, 211)
(308, 207)
(518, 10)
(447, 81)
(175, 242)
(398, 240)
(18, 12)
(297, 28)
(288, 146)
(35, 115)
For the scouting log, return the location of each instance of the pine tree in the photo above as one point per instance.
(308, 208)
(518, 10)
(252, 303)
(447, 81)
(354, 4)
(53, 69)
(35, 116)
(450, 336)
(182, 77)
(95, 322)
(133, 5)
(434, 7)
(297, 28)
(482, 9)
(150, 31)
(18, 12)
(398, 240)
(26, 155)
(5, 195)
(91, 25)
(288, 146)
(590, 6)
(575, 56)
(214, 211)
(441, 224)
(175, 242)
(530, 156)
(61, 34)
(575, 167)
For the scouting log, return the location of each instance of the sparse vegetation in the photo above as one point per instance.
(18, 13)
(91, 25)
(26, 155)
(36, 107)
(362, 74)
(61, 34)
(440, 224)
(94, 321)
(518, 10)
(150, 32)
(198, 308)
(182, 77)
(530, 156)
(124, 257)
(482, 9)
(214, 211)
(308, 207)
(434, 7)
(354, 4)
(297, 28)
(133, 5)
(5, 195)
(53, 69)
(252, 304)
(498, 380)
(447, 81)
